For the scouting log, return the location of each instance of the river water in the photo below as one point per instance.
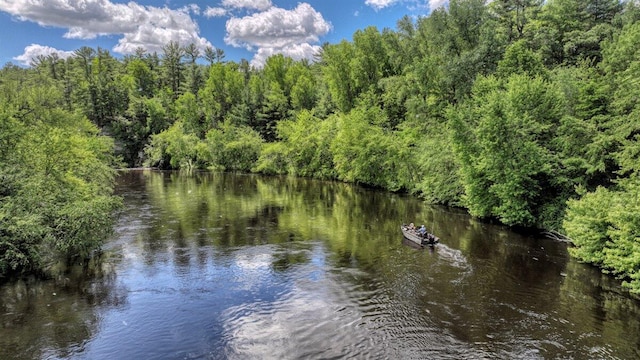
(224, 266)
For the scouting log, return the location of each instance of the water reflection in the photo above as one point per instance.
(229, 266)
(53, 319)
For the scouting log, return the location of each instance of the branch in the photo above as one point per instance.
(554, 235)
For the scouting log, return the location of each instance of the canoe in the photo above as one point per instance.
(414, 236)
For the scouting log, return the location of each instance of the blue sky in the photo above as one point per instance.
(249, 29)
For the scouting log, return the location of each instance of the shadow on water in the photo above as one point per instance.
(226, 266)
(54, 318)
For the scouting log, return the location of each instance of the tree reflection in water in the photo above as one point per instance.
(54, 318)
(216, 265)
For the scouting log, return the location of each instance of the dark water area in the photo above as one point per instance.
(226, 266)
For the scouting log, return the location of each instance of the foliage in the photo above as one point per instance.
(232, 148)
(432, 165)
(519, 59)
(173, 148)
(508, 108)
(222, 89)
(507, 166)
(56, 203)
(274, 159)
(336, 72)
(585, 151)
(605, 227)
(365, 153)
(307, 141)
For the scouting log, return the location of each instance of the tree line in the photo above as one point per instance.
(523, 111)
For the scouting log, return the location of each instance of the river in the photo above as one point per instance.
(234, 266)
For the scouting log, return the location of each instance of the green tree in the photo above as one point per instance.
(336, 70)
(275, 72)
(111, 99)
(454, 36)
(519, 59)
(583, 146)
(513, 16)
(370, 61)
(567, 31)
(275, 108)
(139, 79)
(367, 154)
(605, 226)
(307, 141)
(303, 92)
(508, 170)
(173, 67)
(231, 148)
(194, 80)
(223, 89)
(173, 148)
(432, 166)
(622, 70)
(190, 113)
(56, 205)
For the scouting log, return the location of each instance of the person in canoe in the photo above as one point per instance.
(422, 231)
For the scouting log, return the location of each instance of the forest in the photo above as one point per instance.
(524, 112)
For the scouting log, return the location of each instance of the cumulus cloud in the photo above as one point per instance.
(191, 8)
(434, 4)
(247, 4)
(411, 4)
(277, 27)
(380, 4)
(194, 8)
(140, 26)
(161, 26)
(210, 12)
(296, 52)
(32, 52)
(278, 31)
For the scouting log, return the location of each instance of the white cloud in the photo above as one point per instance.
(161, 26)
(32, 51)
(277, 27)
(289, 32)
(411, 4)
(434, 4)
(314, 306)
(380, 4)
(296, 52)
(194, 8)
(215, 12)
(247, 4)
(141, 26)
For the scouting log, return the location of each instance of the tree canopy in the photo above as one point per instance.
(521, 111)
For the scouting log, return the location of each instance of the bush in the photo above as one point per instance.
(234, 148)
(605, 227)
(56, 202)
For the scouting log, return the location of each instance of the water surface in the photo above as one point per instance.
(224, 266)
